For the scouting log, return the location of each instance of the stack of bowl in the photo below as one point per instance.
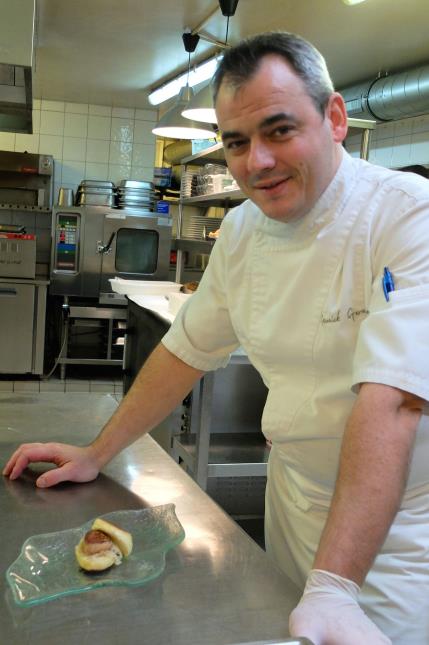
(136, 194)
(92, 192)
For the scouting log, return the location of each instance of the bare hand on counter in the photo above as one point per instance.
(73, 463)
(329, 613)
(141, 410)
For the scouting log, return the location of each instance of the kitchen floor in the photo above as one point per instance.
(81, 390)
(77, 379)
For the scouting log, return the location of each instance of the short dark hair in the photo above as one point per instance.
(240, 62)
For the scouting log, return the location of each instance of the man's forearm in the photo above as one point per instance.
(160, 386)
(375, 456)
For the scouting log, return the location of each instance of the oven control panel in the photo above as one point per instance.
(66, 242)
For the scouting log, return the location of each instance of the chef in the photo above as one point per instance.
(323, 277)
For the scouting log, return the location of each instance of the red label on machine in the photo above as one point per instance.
(29, 170)
(17, 236)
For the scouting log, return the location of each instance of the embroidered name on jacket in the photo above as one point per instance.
(338, 315)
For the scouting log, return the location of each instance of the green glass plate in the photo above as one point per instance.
(47, 568)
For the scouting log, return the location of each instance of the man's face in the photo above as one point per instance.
(282, 152)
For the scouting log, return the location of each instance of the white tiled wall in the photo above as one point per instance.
(89, 141)
(397, 143)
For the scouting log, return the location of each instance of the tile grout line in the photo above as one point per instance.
(95, 386)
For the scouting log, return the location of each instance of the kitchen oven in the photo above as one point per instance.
(90, 246)
(93, 244)
(26, 180)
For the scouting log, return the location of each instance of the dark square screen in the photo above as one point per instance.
(136, 250)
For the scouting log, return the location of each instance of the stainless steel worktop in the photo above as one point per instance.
(218, 587)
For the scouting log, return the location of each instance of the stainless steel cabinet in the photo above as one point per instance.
(22, 326)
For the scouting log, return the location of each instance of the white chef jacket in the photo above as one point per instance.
(305, 301)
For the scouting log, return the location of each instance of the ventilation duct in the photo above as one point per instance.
(389, 98)
(16, 58)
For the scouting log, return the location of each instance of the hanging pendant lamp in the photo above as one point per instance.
(201, 106)
(172, 124)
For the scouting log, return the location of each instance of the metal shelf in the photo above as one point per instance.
(90, 314)
(227, 196)
(189, 244)
(214, 153)
(230, 454)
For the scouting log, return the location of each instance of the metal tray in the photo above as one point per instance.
(88, 199)
(134, 191)
(130, 183)
(97, 183)
(95, 189)
(140, 196)
(143, 198)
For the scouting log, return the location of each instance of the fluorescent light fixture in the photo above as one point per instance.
(353, 1)
(197, 75)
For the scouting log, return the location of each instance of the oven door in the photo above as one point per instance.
(134, 247)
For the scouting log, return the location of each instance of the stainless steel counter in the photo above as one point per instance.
(218, 587)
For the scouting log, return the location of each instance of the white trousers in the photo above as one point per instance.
(396, 591)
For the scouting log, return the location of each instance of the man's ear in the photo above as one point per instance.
(337, 114)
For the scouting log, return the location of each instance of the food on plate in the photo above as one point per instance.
(121, 538)
(213, 235)
(103, 546)
(189, 287)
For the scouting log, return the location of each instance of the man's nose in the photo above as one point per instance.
(260, 157)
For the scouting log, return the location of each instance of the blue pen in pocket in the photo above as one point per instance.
(388, 283)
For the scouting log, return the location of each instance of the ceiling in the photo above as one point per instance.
(112, 52)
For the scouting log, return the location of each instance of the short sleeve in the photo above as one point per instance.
(393, 342)
(202, 334)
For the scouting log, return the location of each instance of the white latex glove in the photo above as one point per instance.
(328, 613)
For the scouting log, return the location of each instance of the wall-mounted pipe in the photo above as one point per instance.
(401, 95)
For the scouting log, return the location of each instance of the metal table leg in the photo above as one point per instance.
(110, 340)
(206, 386)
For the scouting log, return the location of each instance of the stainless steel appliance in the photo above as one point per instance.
(22, 304)
(26, 180)
(92, 244)
(91, 192)
(17, 253)
(22, 325)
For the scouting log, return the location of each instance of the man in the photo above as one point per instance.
(323, 278)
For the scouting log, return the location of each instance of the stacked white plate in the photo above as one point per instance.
(187, 183)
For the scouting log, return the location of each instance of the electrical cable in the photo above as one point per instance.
(45, 377)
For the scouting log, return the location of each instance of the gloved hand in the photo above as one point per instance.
(328, 613)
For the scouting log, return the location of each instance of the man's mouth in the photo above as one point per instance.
(272, 185)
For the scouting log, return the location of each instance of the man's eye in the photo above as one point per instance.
(235, 145)
(281, 131)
